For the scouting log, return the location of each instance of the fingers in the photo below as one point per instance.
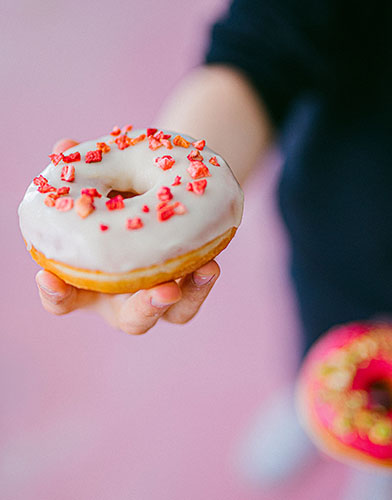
(142, 310)
(195, 288)
(59, 298)
(63, 144)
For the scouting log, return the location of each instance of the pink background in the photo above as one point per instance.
(88, 412)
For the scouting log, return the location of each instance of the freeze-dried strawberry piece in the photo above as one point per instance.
(195, 155)
(214, 161)
(56, 158)
(116, 203)
(179, 208)
(103, 147)
(161, 136)
(135, 223)
(164, 194)
(199, 144)
(167, 143)
(165, 162)
(177, 181)
(136, 140)
(62, 190)
(72, 157)
(40, 180)
(180, 141)
(50, 200)
(123, 142)
(68, 173)
(103, 227)
(93, 156)
(200, 186)
(145, 208)
(154, 143)
(116, 131)
(165, 212)
(64, 204)
(126, 128)
(189, 186)
(197, 169)
(92, 192)
(84, 206)
(151, 131)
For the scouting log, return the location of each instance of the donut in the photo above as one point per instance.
(344, 393)
(130, 210)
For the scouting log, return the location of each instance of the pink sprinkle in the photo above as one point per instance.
(68, 173)
(165, 162)
(64, 204)
(145, 208)
(135, 223)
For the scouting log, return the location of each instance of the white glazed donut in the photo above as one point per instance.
(180, 206)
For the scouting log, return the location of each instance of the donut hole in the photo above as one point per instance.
(380, 395)
(125, 194)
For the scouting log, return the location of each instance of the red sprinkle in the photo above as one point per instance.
(116, 203)
(214, 161)
(180, 141)
(200, 186)
(50, 200)
(103, 147)
(92, 192)
(84, 206)
(116, 131)
(199, 144)
(165, 162)
(56, 158)
(68, 173)
(164, 194)
(197, 169)
(72, 157)
(62, 190)
(103, 227)
(64, 204)
(127, 128)
(195, 155)
(154, 143)
(151, 131)
(93, 156)
(123, 142)
(165, 212)
(135, 223)
(136, 140)
(145, 208)
(197, 187)
(177, 181)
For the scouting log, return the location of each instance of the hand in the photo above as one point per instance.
(175, 301)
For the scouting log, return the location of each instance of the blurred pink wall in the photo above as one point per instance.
(88, 412)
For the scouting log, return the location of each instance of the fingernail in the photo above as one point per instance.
(202, 279)
(48, 291)
(156, 303)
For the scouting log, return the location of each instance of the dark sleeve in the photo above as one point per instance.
(285, 47)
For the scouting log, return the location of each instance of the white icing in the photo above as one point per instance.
(67, 238)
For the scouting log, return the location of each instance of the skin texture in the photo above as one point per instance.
(217, 104)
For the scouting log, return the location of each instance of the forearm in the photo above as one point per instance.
(218, 104)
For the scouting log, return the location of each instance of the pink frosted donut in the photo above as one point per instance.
(344, 393)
